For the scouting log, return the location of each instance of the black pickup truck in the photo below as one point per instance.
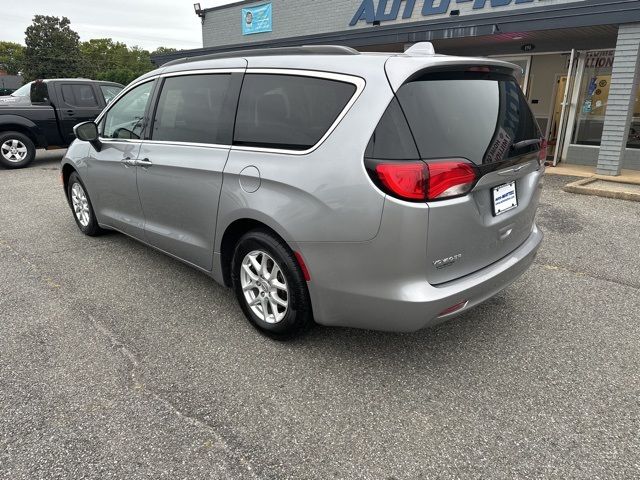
(42, 114)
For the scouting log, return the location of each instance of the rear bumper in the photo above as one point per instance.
(413, 304)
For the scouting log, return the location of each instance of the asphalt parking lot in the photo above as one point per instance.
(118, 362)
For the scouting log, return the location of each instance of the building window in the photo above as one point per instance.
(592, 103)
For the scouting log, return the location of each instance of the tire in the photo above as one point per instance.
(16, 150)
(81, 207)
(280, 269)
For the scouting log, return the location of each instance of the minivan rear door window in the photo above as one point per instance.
(194, 109)
(288, 111)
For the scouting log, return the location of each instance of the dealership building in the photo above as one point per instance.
(579, 59)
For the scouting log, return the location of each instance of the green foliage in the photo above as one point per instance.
(105, 59)
(163, 51)
(52, 49)
(11, 57)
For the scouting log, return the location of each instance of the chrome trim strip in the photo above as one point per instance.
(120, 140)
(359, 83)
(185, 144)
(203, 71)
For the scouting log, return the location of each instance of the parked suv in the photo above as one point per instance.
(381, 191)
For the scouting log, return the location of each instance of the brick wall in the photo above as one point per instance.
(293, 18)
(622, 94)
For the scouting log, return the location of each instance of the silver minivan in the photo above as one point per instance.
(381, 191)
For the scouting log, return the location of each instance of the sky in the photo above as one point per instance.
(146, 23)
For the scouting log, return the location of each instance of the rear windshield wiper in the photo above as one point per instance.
(525, 143)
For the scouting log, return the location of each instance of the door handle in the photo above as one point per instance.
(71, 113)
(128, 162)
(145, 162)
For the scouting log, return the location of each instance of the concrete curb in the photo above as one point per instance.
(582, 187)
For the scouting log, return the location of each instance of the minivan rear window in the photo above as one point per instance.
(473, 115)
(288, 111)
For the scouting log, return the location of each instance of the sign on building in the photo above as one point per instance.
(257, 19)
(386, 10)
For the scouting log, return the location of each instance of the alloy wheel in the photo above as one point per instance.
(264, 287)
(80, 204)
(14, 150)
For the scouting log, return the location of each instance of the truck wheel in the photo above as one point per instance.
(16, 150)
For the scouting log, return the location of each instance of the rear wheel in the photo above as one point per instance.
(16, 150)
(269, 285)
(81, 206)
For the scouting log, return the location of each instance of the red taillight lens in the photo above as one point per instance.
(479, 69)
(405, 180)
(450, 179)
(542, 154)
(420, 181)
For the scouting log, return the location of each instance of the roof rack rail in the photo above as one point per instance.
(263, 52)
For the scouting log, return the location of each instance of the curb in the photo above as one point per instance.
(581, 187)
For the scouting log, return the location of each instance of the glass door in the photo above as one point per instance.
(563, 92)
(553, 127)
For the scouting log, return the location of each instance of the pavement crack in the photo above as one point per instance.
(136, 377)
(139, 386)
(587, 274)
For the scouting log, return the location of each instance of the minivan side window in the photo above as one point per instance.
(191, 109)
(125, 120)
(392, 139)
(79, 95)
(109, 92)
(288, 111)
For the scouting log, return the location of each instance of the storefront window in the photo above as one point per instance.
(592, 103)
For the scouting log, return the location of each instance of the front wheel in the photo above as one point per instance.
(81, 206)
(16, 150)
(270, 286)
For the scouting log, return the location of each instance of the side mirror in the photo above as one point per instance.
(88, 132)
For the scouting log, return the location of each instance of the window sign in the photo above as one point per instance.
(257, 19)
(594, 96)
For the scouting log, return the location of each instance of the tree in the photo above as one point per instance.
(163, 51)
(105, 59)
(52, 49)
(101, 55)
(11, 57)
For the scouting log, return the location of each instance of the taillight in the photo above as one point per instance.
(406, 180)
(450, 179)
(421, 181)
(479, 69)
(542, 154)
